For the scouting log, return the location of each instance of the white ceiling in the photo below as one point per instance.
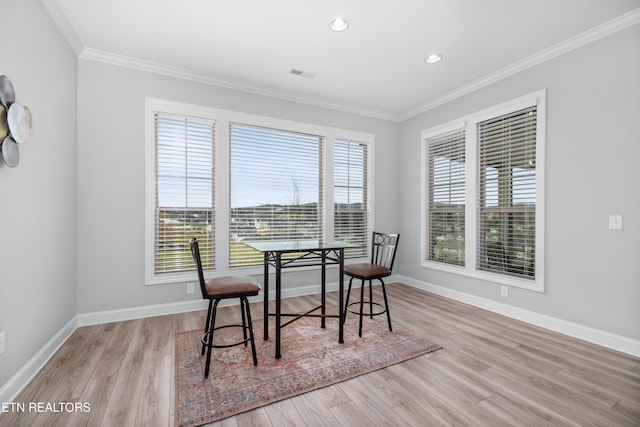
(376, 67)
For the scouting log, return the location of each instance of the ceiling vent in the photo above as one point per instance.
(302, 73)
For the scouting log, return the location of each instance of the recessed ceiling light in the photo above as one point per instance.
(339, 24)
(433, 58)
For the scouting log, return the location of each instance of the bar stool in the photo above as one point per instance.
(215, 290)
(383, 254)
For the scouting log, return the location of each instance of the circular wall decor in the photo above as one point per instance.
(4, 126)
(19, 119)
(7, 94)
(15, 123)
(10, 152)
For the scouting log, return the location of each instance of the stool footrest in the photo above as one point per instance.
(367, 304)
(205, 337)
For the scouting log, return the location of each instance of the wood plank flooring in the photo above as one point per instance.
(492, 371)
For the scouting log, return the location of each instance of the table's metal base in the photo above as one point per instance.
(302, 258)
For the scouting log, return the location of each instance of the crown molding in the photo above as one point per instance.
(187, 74)
(610, 27)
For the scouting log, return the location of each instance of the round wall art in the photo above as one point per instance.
(15, 123)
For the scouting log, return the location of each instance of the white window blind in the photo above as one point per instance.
(276, 188)
(184, 192)
(351, 204)
(507, 208)
(446, 183)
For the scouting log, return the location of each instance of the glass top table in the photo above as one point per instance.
(300, 253)
(296, 245)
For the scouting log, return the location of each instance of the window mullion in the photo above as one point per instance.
(473, 191)
(328, 181)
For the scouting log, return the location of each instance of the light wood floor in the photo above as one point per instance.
(493, 371)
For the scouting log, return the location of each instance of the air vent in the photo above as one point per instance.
(301, 73)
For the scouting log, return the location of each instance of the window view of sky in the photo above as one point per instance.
(184, 162)
(270, 166)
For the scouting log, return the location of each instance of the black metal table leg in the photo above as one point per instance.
(278, 300)
(341, 312)
(266, 296)
(324, 289)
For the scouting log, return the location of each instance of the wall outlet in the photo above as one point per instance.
(2, 338)
(190, 288)
(615, 222)
(504, 291)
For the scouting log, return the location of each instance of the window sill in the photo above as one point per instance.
(532, 285)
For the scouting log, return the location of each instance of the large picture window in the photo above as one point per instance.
(276, 188)
(483, 194)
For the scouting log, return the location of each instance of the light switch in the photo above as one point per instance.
(615, 222)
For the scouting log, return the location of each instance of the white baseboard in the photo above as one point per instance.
(586, 333)
(10, 390)
(119, 315)
(108, 316)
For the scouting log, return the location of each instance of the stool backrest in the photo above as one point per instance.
(383, 249)
(195, 253)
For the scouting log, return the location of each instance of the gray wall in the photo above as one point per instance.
(38, 197)
(111, 176)
(592, 154)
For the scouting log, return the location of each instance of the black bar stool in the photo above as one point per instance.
(383, 254)
(215, 290)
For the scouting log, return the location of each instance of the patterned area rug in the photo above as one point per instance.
(311, 358)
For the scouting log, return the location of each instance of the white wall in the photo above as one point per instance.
(38, 197)
(592, 153)
(111, 139)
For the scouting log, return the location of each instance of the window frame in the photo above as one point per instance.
(173, 108)
(472, 212)
(222, 178)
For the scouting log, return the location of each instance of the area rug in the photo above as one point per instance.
(311, 358)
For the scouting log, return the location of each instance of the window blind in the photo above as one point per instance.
(351, 204)
(446, 198)
(276, 188)
(184, 191)
(507, 160)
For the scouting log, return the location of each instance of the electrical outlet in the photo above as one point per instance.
(615, 222)
(2, 338)
(504, 291)
(190, 288)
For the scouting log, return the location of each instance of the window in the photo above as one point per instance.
(184, 192)
(483, 194)
(276, 188)
(447, 192)
(351, 197)
(227, 177)
(507, 210)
